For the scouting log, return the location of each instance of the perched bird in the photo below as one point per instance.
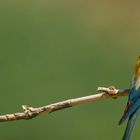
(132, 110)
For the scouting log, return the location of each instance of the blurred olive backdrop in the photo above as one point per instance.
(52, 50)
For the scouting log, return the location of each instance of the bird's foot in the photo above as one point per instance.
(111, 91)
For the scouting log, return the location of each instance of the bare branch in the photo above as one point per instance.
(30, 112)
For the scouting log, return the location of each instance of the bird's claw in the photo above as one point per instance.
(110, 90)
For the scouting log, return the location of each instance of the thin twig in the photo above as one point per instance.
(30, 112)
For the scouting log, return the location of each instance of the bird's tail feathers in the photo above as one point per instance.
(131, 124)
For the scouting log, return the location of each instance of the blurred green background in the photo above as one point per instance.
(52, 50)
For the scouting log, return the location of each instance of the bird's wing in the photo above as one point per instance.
(133, 101)
(130, 109)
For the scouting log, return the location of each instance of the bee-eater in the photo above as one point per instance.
(132, 110)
